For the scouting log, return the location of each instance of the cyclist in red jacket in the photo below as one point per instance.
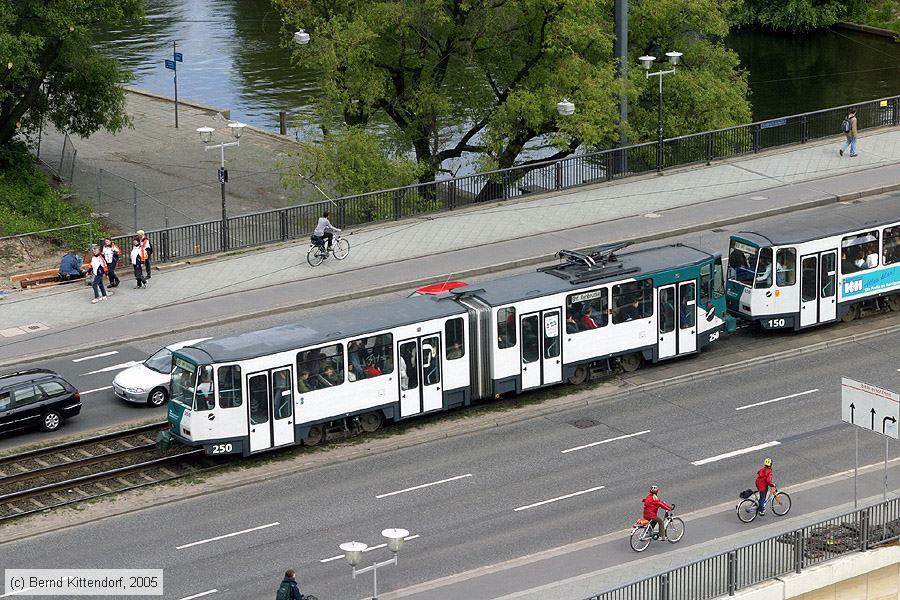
(652, 504)
(764, 484)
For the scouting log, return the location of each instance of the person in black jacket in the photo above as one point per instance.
(288, 590)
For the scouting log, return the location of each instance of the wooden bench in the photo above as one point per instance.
(42, 278)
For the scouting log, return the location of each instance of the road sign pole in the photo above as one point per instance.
(175, 79)
(855, 467)
(886, 444)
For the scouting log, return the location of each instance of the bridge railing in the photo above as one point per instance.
(298, 221)
(728, 572)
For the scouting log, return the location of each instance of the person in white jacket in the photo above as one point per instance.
(98, 270)
(137, 261)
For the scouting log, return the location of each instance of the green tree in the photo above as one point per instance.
(795, 15)
(49, 67)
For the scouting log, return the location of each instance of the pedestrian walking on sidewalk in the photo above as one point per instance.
(111, 253)
(148, 251)
(288, 590)
(849, 128)
(137, 261)
(98, 271)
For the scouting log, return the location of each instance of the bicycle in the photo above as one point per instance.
(642, 532)
(748, 507)
(318, 252)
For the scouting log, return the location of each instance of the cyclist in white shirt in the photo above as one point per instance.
(325, 230)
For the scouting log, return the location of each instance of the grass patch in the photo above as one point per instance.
(878, 13)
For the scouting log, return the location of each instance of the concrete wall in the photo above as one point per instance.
(873, 575)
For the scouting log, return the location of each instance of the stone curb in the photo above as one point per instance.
(225, 112)
(447, 429)
(497, 267)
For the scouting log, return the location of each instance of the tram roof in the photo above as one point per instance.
(798, 227)
(323, 328)
(628, 265)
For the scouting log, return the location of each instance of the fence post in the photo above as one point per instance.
(398, 205)
(864, 530)
(558, 182)
(756, 133)
(664, 586)
(709, 148)
(164, 244)
(451, 194)
(732, 573)
(62, 155)
(896, 115)
(504, 181)
(134, 204)
(72, 170)
(606, 165)
(282, 219)
(798, 550)
(282, 122)
(804, 129)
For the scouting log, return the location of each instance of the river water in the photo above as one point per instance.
(235, 57)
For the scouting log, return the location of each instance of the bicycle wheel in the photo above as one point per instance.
(674, 530)
(341, 249)
(315, 255)
(746, 510)
(781, 503)
(640, 539)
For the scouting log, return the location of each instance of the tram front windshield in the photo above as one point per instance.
(184, 378)
(741, 262)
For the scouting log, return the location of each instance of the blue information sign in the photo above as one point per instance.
(178, 57)
(170, 64)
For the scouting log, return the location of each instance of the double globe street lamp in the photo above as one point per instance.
(647, 64)
(353, 552)
(206, 136)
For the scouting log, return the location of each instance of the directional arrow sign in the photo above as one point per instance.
(870, 407)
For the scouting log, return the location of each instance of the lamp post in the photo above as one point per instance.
(647, 63)
(205, 136)
(353, 552)
(565, 108)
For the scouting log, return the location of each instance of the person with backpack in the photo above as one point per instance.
(288, 590)
(764, 484)
(111, 253)
(848, 126)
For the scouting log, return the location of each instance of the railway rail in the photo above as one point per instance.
(47, 478)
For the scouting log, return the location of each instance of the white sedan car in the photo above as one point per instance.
(148, 382)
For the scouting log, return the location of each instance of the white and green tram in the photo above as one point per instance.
(352, 370)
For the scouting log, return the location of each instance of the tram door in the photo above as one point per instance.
(818, 298)
(270, 408)
(419, 366)
(541, 360)
(677, 319)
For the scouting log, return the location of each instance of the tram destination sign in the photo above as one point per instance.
(870, 407)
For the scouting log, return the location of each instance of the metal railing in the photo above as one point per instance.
(726, 573)
(298, 221)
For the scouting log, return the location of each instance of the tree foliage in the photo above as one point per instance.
(49, 67)
(796, 15)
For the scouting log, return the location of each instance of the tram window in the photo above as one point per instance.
(506, 328)
(633, 300)
(230, 393)
(891, 252)
(587, 310)
(258, 393)
(453, 332)
(764, 269)
(204, 398)
(320, 368)
(282, 394)
(718, 279)
(859, 252)
(183, 377)
(741, 260)
(687, 306)
(827, 275)
(808, 279)
(667, 309)
(530, 345)
(370, 357)
(705, 284)
(786, 267)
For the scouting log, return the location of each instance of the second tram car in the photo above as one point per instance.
(794, 273)
(354, 369)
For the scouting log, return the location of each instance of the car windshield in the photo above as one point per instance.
(184, 376)
(741, 262)
(161, 362)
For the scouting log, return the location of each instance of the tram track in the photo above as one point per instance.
(47, 478)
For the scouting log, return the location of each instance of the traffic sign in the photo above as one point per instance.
(178, 57)
(870, 407)
(170, 64)
(223, 175)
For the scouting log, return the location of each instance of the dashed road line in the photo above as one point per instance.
(733, 453)
(93, 356)
(615, 439)
(84, 393)
(746, 406)
(117, 367)
(558, 498)
(200, 595)
(424, 485)
(227, 535)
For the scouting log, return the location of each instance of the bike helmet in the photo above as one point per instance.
(767, 462)
(654, 489)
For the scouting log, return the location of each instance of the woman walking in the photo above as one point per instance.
(111, 253)
(137, 261)
(98, 270)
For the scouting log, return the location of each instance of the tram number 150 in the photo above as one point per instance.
(221, 449)
(775, 323)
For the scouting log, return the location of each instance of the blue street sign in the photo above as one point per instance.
(170, 64)
(178, 57)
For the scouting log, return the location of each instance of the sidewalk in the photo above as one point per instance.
(405, 254)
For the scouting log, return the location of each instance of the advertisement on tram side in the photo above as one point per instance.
(870, 282)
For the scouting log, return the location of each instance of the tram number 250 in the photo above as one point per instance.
(775, 323)
(221, 449)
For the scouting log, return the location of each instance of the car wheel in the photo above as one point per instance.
(157, 397)
(51, 420)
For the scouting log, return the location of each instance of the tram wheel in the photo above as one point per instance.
(371, 421)
(579, 376)
(851, 314)
(631, 362)
(315, 436)
(894, 302)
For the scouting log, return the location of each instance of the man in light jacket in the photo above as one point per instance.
(850, 132)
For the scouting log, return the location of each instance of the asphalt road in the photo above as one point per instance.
(505, 492)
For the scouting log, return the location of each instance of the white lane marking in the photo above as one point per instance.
(733, 453)
(615, 439)
(340, 556)
(424, 485)
(125, 365)
(17, 592)
(83, 358)
(109, 387)
(557, 499)
(200, 595)
(777, 399)
(227, 535)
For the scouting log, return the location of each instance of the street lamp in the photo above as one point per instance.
(565, 108)
(205, 137)
(647, 63)
(301, 38)
(353, 552)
